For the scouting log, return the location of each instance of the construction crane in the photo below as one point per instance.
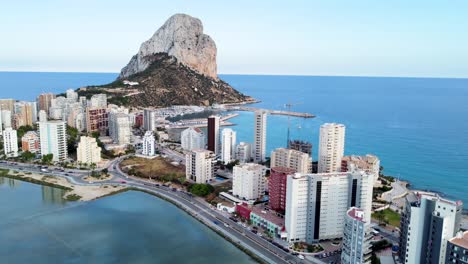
(288, 106)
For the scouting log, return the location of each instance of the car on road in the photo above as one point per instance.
(122, 181)
(300, 256)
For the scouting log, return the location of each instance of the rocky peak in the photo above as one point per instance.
(182, 37)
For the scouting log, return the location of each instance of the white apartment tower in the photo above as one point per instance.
(260, 130)
(243, 152)
(299, 161)
(331, 147)
(53, 139)
(119, 128)
(98, 101)
(428, 223)
(10, 142)
(356, 239)
(248, 181)
(88, 151)
(316, 204)
(199, 165)
(228, 145)
(149, 144)
(192, 138)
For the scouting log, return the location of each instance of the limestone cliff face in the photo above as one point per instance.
(181, 37)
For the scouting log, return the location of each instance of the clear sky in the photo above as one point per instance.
(329, 37)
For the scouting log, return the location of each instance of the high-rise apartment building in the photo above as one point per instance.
(428, 222)
(192, 138)
(23, 114)
(369, 163)
(97, 120)
(10, 142)
(150, 118)
(42, 116)
(243, 152)
(199, 165)
(98, 101)
(6, 118)
(260, 129)
(44, 101)
(213, 134)
(301, 145)
(53, 139)
(248, 181)
(119, 128)
(7, 104)
(149, 144)
(277, 187)
(356, 238)
(331, 147)
(72, 96)
(88, 151)
(228, 145)
(31, 142)
(316, 204)
(299, 161)
(457, 249)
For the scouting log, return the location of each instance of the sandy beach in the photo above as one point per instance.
(87, 193)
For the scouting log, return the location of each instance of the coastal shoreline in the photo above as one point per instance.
(63, 184)
(73, 192)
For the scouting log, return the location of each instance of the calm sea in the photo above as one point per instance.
(417, 126)
(38, 226)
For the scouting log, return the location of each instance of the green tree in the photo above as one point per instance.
(22, 130)
(27, 156)
(47, 159)
(72, 138)
(201, 189)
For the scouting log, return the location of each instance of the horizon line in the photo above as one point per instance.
(255, 74)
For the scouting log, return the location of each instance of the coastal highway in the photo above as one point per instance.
(199, 209)
(212, 218)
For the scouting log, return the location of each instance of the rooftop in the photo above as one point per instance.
(283, 170)
(356, 213)
(460, 240)
(268, 215)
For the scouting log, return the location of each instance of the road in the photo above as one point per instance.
(199, 209)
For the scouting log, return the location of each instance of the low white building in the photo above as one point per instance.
(199, 165)
(192, 138)
(149, 144)
(226, 207)
(10, 142)
(88, 151)
(248, 181)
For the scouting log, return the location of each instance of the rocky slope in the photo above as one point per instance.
(168, 82)
(176, 66)
(182, 37)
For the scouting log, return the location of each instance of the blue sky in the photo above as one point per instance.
(357, 38)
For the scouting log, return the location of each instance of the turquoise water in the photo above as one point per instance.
(417, 126)
(37, 226)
